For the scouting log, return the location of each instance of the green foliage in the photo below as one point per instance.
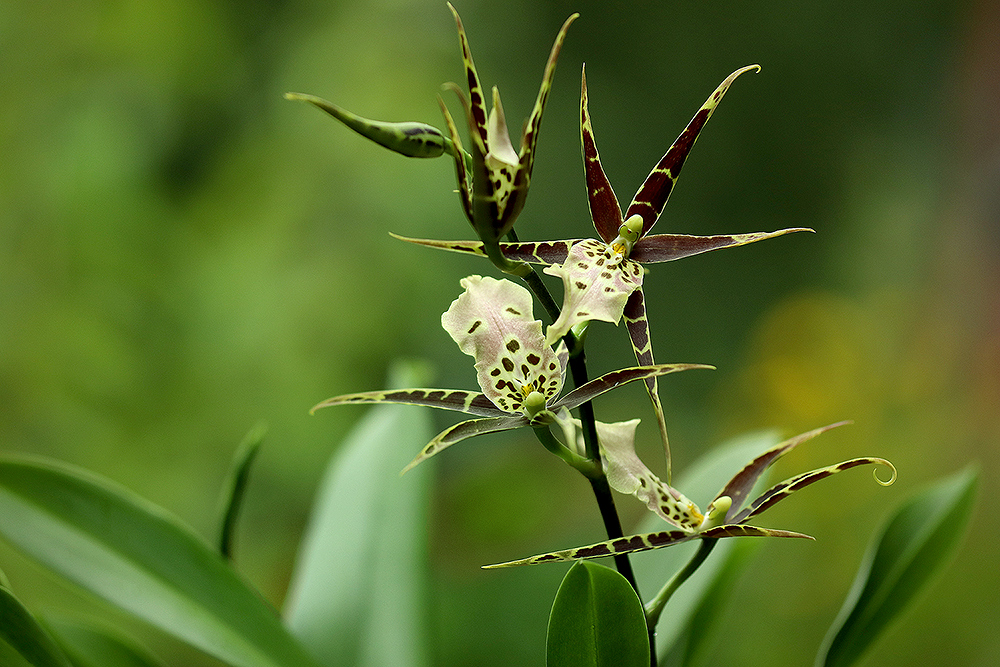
(89, 646)
(357, 592)
(596, 621)
(235, 486)
(23, 642)
(141, 558)
(917, 542)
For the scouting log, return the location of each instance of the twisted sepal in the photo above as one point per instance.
(645, 542)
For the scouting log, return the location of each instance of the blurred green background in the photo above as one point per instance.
(184, 253)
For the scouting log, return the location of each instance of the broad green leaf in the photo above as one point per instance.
(916, 543)
(356, 595)
(701, 482)
(141, 558)
(235, 486)
(90, 646)
(22, 640)
(596, 621)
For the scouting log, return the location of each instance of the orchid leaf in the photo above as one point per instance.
(357, 591)
(916, 543)
(614, 379)
(235, 486)
(596, 621)
(23, 641)
(140, 558)
(89, 646)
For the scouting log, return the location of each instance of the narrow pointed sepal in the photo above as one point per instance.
(781, 491)
(470, 402)
(652, 195)
(539, 252)
(646, 542)
(597, 282)
(529, 139)
(411, 139)
(463, 431)
(668, 247)
(614, 379)
(604, 208)
(638, 333)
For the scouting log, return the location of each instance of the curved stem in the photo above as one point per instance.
(655, 606)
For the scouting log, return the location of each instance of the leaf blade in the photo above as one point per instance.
(140, 558)
(596, 621)
(916, 542)
(345, 603)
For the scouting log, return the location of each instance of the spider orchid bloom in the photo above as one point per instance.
(603, 277)
(520, 375)
(727, 515)
(493, 179)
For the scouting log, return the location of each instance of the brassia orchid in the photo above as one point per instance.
(493, 178)
(521, 376)
(726, 515)
(602, 278)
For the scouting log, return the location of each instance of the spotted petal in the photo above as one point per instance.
(628, 474)
(492, 321)
(645, 542)
(604, 208)
(597, 282)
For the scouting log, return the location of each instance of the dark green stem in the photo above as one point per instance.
(655, 606)
(598, 480)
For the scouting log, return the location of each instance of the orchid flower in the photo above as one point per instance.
(493, 179)
(520, 375)
(726, 516)
(603, 277)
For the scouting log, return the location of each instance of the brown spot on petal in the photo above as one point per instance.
(475, 326)
(513, 345)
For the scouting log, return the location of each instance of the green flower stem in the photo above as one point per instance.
(587, 467)
(655, 606)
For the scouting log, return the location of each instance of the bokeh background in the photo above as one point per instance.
(183, 253)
